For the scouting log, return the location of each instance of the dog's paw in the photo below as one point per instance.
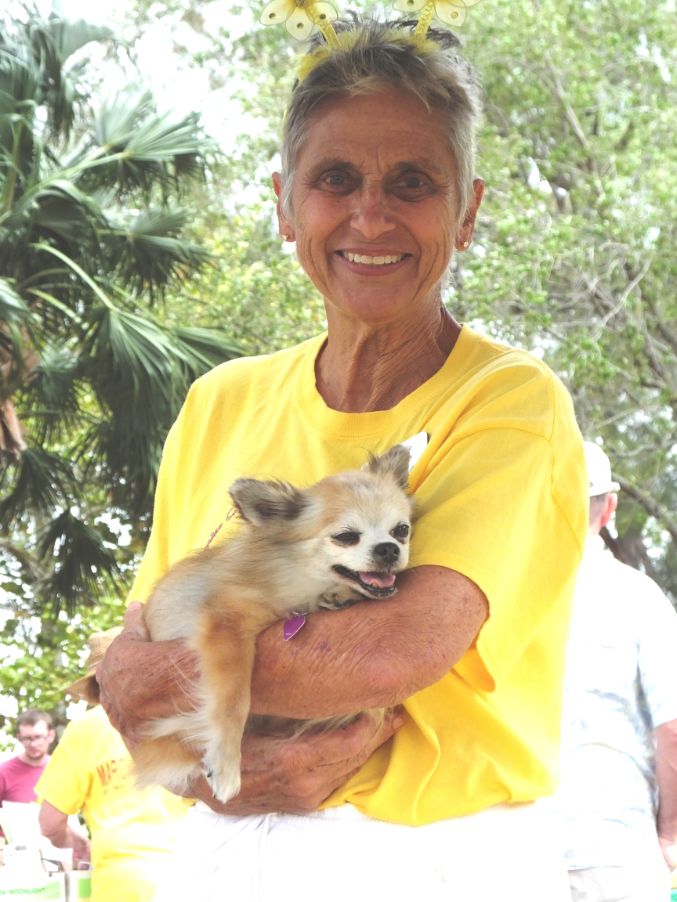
(223, 777)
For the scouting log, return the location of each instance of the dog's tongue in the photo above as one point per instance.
(380, 580)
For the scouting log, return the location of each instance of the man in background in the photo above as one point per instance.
(18, 775)
(619, 770)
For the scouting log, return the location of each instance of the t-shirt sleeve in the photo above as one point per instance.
(505, 505)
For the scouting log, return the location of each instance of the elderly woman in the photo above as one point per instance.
(377, 191)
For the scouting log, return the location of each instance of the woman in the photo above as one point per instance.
(377, 191)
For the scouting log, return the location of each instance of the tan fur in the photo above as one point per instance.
(282, 560)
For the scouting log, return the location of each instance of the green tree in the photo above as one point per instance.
(91, 376)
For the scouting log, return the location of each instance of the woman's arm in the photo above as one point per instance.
(373, 654)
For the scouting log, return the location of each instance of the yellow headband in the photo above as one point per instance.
(302, 17)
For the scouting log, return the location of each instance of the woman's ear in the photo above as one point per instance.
(284, 226)
(467, 227)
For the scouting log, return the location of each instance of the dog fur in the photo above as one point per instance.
(335, 543)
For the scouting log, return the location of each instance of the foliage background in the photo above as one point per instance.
(573, 257)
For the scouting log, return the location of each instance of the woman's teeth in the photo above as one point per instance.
(373, 261)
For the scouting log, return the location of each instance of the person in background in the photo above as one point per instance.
(18, 775)
(618, 793)
(132, 831)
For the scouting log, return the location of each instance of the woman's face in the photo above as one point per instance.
(374, 206)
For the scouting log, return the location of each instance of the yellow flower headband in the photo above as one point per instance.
(302, 17)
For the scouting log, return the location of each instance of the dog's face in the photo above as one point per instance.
(351, 530)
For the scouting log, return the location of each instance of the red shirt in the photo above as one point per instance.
(17, 780)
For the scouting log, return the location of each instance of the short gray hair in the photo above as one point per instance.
(385, 54)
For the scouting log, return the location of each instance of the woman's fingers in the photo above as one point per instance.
(140, 680)
(297, 775)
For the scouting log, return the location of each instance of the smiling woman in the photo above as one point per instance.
(378, 190)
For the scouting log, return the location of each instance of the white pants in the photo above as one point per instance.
(643, 877)
(339, 855)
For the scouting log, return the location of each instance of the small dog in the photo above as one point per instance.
(340, 541)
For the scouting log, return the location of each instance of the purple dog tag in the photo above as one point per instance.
(293, 625)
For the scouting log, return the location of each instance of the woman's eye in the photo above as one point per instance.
(412, 185)
(337, 181)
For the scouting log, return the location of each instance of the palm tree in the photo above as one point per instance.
(90, 376)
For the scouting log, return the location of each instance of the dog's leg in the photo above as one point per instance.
(226, 642)
(166, 761)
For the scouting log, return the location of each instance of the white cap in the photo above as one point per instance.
(599, 470)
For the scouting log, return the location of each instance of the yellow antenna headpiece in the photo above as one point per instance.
(301, 17)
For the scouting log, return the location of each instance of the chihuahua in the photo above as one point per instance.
(342, 540)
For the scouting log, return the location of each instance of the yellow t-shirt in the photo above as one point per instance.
(501, 496)
(133, 832)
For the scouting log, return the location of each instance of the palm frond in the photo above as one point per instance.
(52, 43)
(78, 270)
(139, 149)
(80, 561)
(16, 321)
(54, 397)
(202, 349)
(129, 364)
(18, 104)
(62, 209)
(13, 308)
(129, 354)
(42, 481)
(148, 253)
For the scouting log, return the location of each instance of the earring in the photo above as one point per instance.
(466, 244)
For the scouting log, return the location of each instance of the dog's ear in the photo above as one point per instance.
(259, 501)
(395, 462)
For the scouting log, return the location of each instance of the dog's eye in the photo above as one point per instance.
(347, 537)
(401, 531)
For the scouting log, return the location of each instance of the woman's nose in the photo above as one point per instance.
(370, 215)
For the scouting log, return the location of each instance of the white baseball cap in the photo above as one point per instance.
(599, 471)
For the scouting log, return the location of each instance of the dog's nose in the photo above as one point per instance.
(386, 552)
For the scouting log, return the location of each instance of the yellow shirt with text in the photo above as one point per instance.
(501, 497)
(133, 832)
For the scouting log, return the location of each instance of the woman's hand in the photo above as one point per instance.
(297, 775)
(140, 680)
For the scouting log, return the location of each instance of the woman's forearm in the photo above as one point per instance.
(374, 654)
